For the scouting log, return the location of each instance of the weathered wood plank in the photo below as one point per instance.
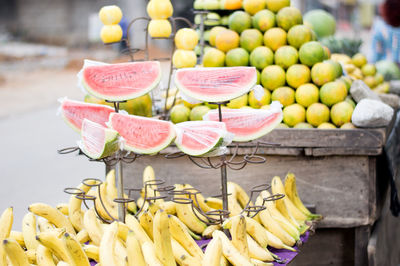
(362, 235)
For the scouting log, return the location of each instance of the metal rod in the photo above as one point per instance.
(224, 180)
(121, 205)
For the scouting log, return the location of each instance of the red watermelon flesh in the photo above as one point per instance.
(74, 112)
(98, 141)
(215, 84)
(199, 137)
(119, 82)
(141, 134)
(247, 124)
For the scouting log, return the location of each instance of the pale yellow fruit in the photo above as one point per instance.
(111, 33)
(184, 58)
(110, 15)
(186, 39)
(160, 28)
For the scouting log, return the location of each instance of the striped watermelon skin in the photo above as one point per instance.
(121, 82)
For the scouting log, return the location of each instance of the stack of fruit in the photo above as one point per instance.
(111, 31)
(159, 11)
(186, 40)
(164, 232)
(358, 67)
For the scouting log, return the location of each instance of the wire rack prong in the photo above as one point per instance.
(85, 197)
(253, 210)
(274, 197)
(68, 150)
(96, 182)
(73, 191)
(174, 155)
(166, 188)
(180, 200)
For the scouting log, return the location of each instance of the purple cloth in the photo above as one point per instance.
(285, 255)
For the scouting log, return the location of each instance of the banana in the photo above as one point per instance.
(153, 207)
(214, 203)
(75, 213)
(233, 205)
(107, 245)
(63, 208)
(207, 233)
(52, 241)
(44, 257)
(63, 263)
(44, 224)
(278, 187)
(14, 252)
(149, 254)
(123, 231)
(53, 215)
(230, 252)
(198, 199)
(134, 225)
(180, 233)
(213, 254)
(78, 255)
(239, 235)
(93, 226)
(92, 252)
(292, 193)
(162, 238)
(31, 255)
(135, 255)
(148, 177)
(18, 236)
(260, 263)
(82, 236)
(109, 211)
(276, 242)
(182, 256)
(241, 194)
(168, 206)
(257, 252)
(273, 226)
(29, 231)
(146, 221)
(112, 193)
(254, 229)
(6, 221)
(278, 216)
(187, 216)
(140, 202)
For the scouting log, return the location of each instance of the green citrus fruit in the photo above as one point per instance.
(276, 5)
(273, 77)
(238, 102)
(239, 21)
(326, 125)
(198, 112)
(297, 74)
(213, 58)
(275, 38)
(179, 113)
(265, 99)
(237, 57)
(294, 114)
(263, 20)
(250, 39)
(261, 57)
(332, 92)
(311, 53)
(322, 73)
(298, 35)
(307, 94)
(285, 95)
(286, 56)
(288, 17)
(341, 113)
(317, 113)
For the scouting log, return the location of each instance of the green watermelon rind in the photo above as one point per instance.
(213, 98)
(154, 150)
(68, 122)
(127, 96)
(111, 145)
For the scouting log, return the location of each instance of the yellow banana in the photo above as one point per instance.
(273, 226)
(214, 203)
(149, 254)
(162, 238)
(154, 207)
(187, 216)
(257, 252)
(292, 193)
(14, 252)
(239, 235)
(29, 231)
(135, 255)
(146, 221)
(6, 221)
(93, 226)
(207, 233)
(18, 236)
(260, 263)
(123, 231)
(134, 225)
(292, 211)
(78, 255)
(198, 199)
(63, 208)
(241, 194)
(92, 252)
(53, 215)
(276, 242)
(233, 205)
(213, 254)
(63, 263)
(140, 202)
(182, 256)
(112, 192)
(74, 206)
(230, 252)
(31, 255)
(52, 241)
(181, 234)
(82, 236)
(44, 224)
(44, 257)
(107, 245)
(148, 177)
(168, 206)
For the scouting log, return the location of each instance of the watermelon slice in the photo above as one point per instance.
(197, 138)
(74, 112)
(141, 134)
(98, 141)
(120, 82)
(215, 84)
(248, 124)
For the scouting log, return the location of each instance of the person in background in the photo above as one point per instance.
(386, 33)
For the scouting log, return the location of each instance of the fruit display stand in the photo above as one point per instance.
(336, 171)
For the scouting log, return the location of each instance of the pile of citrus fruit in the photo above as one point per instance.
(293, 67)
